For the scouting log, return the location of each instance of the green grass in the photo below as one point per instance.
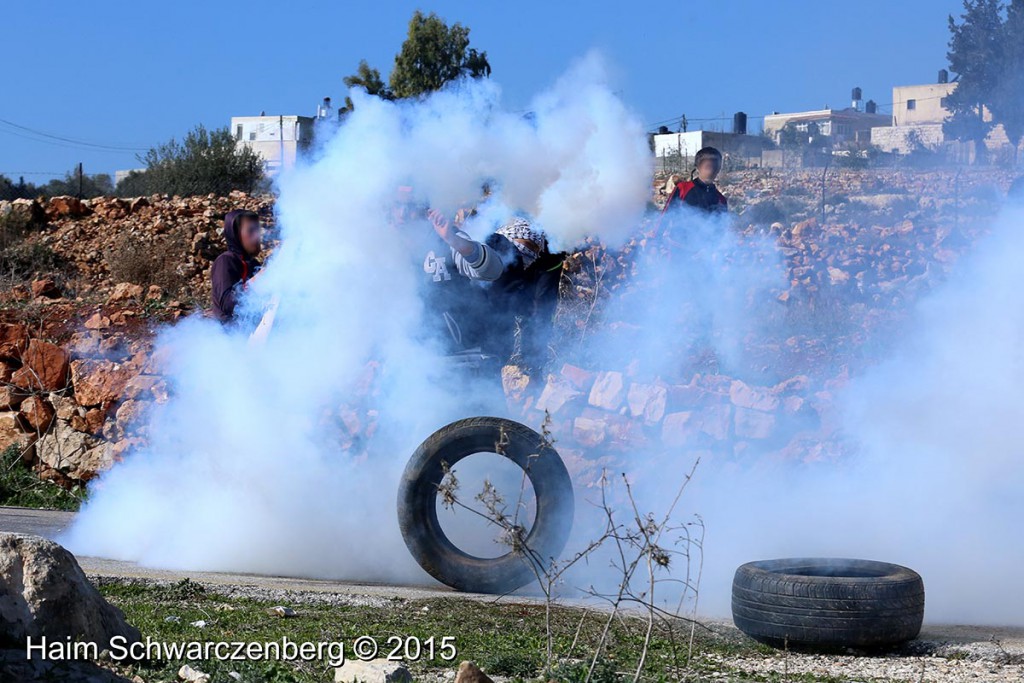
(20, 486)
(504, 639)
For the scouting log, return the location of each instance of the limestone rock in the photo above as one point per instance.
(125, 291)
(45, 367)
(98, 381)
(471, 673)
(609, 391)
(745, 396)
(10, 397)
(73, 453)
(13, 340)
(46, 287)
(647, 401)
(36, 414)
(588, 431)
(556, 394)
(44, 593)
(11, 434)
(373, 671)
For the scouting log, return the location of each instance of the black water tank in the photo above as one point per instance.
(871, 107)
(943, 76)
(739, 123)
(857, 95)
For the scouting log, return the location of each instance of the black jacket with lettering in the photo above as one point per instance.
(468, 313)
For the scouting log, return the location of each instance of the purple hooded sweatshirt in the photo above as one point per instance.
(231, 271)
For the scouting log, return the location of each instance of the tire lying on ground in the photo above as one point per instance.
(827, 603)
(417, 505)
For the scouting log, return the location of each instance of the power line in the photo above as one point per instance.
(69, 141)
(21, 173)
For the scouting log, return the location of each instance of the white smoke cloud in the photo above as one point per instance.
(244, 470)
(245, 473)
(936, 480)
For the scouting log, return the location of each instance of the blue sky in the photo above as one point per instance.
(133, 74)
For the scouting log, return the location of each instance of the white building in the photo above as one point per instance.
(277, 139)
(841, 125)
(918, 114)
(678, 149)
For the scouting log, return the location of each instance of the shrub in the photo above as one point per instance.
(26, 258)
(204, 162)
(152, 261)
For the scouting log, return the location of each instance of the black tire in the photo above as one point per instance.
(827, 603)
(417, 505)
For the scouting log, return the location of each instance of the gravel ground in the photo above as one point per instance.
(943, 653)
(894, 667)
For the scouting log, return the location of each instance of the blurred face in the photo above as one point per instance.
(709, 169)
(249, 236)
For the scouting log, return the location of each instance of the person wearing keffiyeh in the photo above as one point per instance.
(500, 295)
(527, 292)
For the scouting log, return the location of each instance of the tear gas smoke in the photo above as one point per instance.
(244, 470)
(935, 482)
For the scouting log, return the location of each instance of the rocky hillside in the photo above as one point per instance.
(86, 283)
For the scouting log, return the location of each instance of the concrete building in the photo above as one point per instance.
(674, 152)
(278, 139)
(918, 114)
(840, 125)
(920, 104)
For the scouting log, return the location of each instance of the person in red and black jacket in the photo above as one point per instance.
(700, 192)
(232, 270)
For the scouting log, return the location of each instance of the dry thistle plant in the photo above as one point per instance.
(646, 550)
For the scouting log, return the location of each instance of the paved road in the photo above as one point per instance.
(49, 523)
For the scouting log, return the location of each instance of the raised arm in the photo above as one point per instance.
(473, 259)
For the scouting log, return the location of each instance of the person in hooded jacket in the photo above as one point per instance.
(232, 270)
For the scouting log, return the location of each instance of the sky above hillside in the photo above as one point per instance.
(98, 83)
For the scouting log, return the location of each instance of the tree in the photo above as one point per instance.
(97, 185)
(975, 55)
(367, 78)
(204, 162)
(432, 55)
(135, 184)
(795, 135)
(1007, 99)
(19, 190)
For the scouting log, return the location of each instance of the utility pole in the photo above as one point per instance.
(280, 125)
(79, 179)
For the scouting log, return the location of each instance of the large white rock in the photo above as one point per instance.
(44, 593)
(373, 671)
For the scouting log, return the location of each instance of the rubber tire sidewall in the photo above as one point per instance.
(421, 528)
(776, 606)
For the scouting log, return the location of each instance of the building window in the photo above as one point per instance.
(252, 135)
(911, 105)
(944, 102)
(238, 132)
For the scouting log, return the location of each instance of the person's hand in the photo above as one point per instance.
(442, 226)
